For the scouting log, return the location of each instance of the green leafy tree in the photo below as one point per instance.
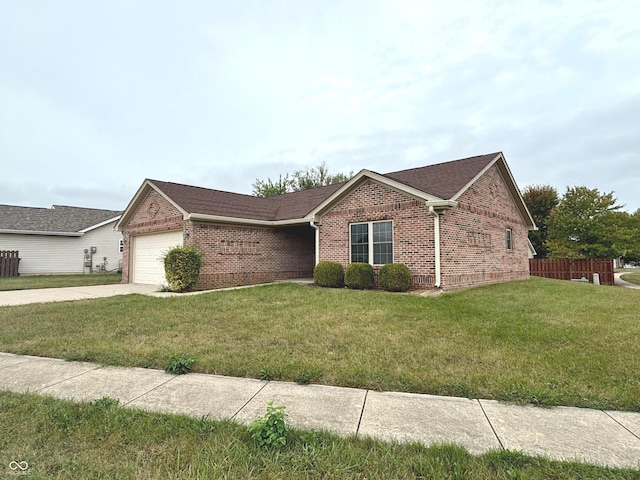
(269, 188)
(623, 232)
(584, 225)
(300, 180)
(540, 200)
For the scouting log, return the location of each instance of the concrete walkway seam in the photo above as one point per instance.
(249, 401)
(364, 404)
(148, 391)
(490, 424)
(622, 425)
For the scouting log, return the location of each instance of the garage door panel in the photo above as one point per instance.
(148, 254)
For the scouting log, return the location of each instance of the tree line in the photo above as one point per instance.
(583, 223)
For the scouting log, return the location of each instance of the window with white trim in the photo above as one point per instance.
(509, 238)
(371, 242)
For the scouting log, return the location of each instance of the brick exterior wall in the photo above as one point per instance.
(154, 215)
(472, 236)
(233, 255)
(242, 255)
(413, 242)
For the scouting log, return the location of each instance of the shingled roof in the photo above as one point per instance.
(443, 181)
(57, 219)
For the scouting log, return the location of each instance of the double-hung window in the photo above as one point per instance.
(372, 242)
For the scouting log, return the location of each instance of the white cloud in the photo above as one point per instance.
(219, 93)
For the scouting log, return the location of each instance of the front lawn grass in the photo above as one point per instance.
(540, 341)
(631, 277)
(56, 281)
(58, 439)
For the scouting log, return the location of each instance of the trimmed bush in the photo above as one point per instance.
(182, 268)
(329, 274)
(359, 276)
(395, 277)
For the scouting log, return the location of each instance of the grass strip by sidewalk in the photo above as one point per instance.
(539, 341)
(30, 282)
(59, 439)
(631, 277)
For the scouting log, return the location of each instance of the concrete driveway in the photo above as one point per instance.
(43, 295)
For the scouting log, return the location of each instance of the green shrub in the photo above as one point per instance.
(271, 429)
(182, 268)
(395, 277)
(359, 276)
(180, 364)
(329, 274)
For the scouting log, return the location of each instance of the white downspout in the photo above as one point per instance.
(317, 243)
(436, 241)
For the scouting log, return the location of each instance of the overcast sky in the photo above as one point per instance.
(96, 96)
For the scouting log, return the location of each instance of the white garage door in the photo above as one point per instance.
(148, 253)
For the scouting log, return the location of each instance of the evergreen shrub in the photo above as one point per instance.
(329, 274)
(395, 277)
(182, 268)
(359, 276)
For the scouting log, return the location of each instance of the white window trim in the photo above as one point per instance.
(370, 235)
(509, 239)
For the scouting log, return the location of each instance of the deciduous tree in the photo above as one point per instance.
(540, 200)
(585, 224)
(300, 180)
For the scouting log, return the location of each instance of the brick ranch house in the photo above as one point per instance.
(454, 224)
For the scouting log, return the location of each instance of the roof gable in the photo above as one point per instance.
(439, 185)
(444, 180)
(59, 219)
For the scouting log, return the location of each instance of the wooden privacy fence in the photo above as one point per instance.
(9, 261)
(573, 268)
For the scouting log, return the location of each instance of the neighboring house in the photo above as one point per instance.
(62, 239)
(454, 224)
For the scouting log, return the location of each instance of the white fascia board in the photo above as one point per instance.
(200, 217)
(101, 224)
(380, 179)
(40, 232)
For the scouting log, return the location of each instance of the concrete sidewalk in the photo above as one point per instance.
(622, 283)
(562, 433)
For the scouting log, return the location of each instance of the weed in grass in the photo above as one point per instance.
(268, 373)
(106, 402)
(308, 375)
(270, 430)
(180, 364)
